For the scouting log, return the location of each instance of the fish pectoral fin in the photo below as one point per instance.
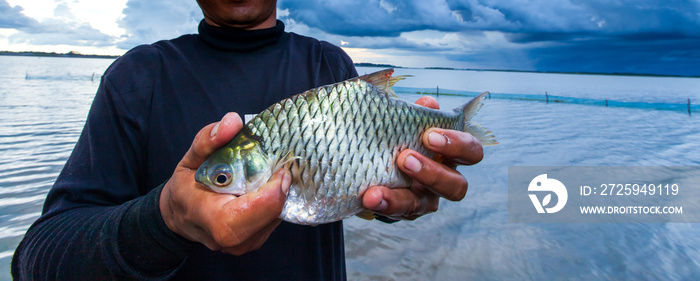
(383, 80)
(290, 162)
(284, 161)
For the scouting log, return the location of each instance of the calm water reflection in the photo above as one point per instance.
(44, 101)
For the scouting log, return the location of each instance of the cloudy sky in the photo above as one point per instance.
(633, 36)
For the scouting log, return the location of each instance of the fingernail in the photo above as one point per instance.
(215, 130)
(436, 139)
(286, 182)
(382, 206)
(412, 164)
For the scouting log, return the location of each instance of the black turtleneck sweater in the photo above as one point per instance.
(101, 218)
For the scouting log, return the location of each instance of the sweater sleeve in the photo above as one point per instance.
(99, 222)
(338, 61)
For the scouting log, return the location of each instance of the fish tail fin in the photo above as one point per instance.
(480, 132)
(383, 80)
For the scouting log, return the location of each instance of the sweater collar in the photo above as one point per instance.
(231, 39)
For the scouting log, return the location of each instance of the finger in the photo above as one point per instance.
(373, 199)
(459, 147)
(400, 202)
(235, 221)
(210, 138)
(182, 210)
(428, 101)
(446, 182)
(201, 218)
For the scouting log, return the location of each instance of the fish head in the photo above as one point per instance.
(239, 167)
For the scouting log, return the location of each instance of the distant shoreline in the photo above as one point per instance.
(70, 54)
(362, 64)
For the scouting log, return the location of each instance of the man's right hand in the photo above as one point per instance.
(222, 222)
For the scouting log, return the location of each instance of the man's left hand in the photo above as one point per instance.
(431, 179)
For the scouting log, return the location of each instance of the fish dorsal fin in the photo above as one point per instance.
(383, 80)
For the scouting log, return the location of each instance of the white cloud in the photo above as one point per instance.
(102, 15)
(37, 9)
(147, 21)
(387, 6)
(35, 27)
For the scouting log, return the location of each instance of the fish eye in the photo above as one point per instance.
(223, 178)
(221, 175)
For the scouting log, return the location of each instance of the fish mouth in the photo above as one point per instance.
(201, 175)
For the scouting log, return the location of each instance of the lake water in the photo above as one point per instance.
(44, 102)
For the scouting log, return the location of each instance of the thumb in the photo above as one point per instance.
(428, 101)
(211, 138)
(281, 181)
(257, 209)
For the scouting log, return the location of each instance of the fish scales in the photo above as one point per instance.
(337, 140)
(373, 108)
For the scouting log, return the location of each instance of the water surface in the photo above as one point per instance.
(44, 102)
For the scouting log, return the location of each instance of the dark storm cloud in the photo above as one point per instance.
(392, 17)
(373, 18)
(568, 35)
(642, 53)
(669, 57)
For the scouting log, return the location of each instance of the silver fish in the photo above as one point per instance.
(337, 140)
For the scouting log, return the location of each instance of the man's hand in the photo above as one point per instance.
(222, 222)
(431, 180)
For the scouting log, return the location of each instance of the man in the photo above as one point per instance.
(111, 216)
